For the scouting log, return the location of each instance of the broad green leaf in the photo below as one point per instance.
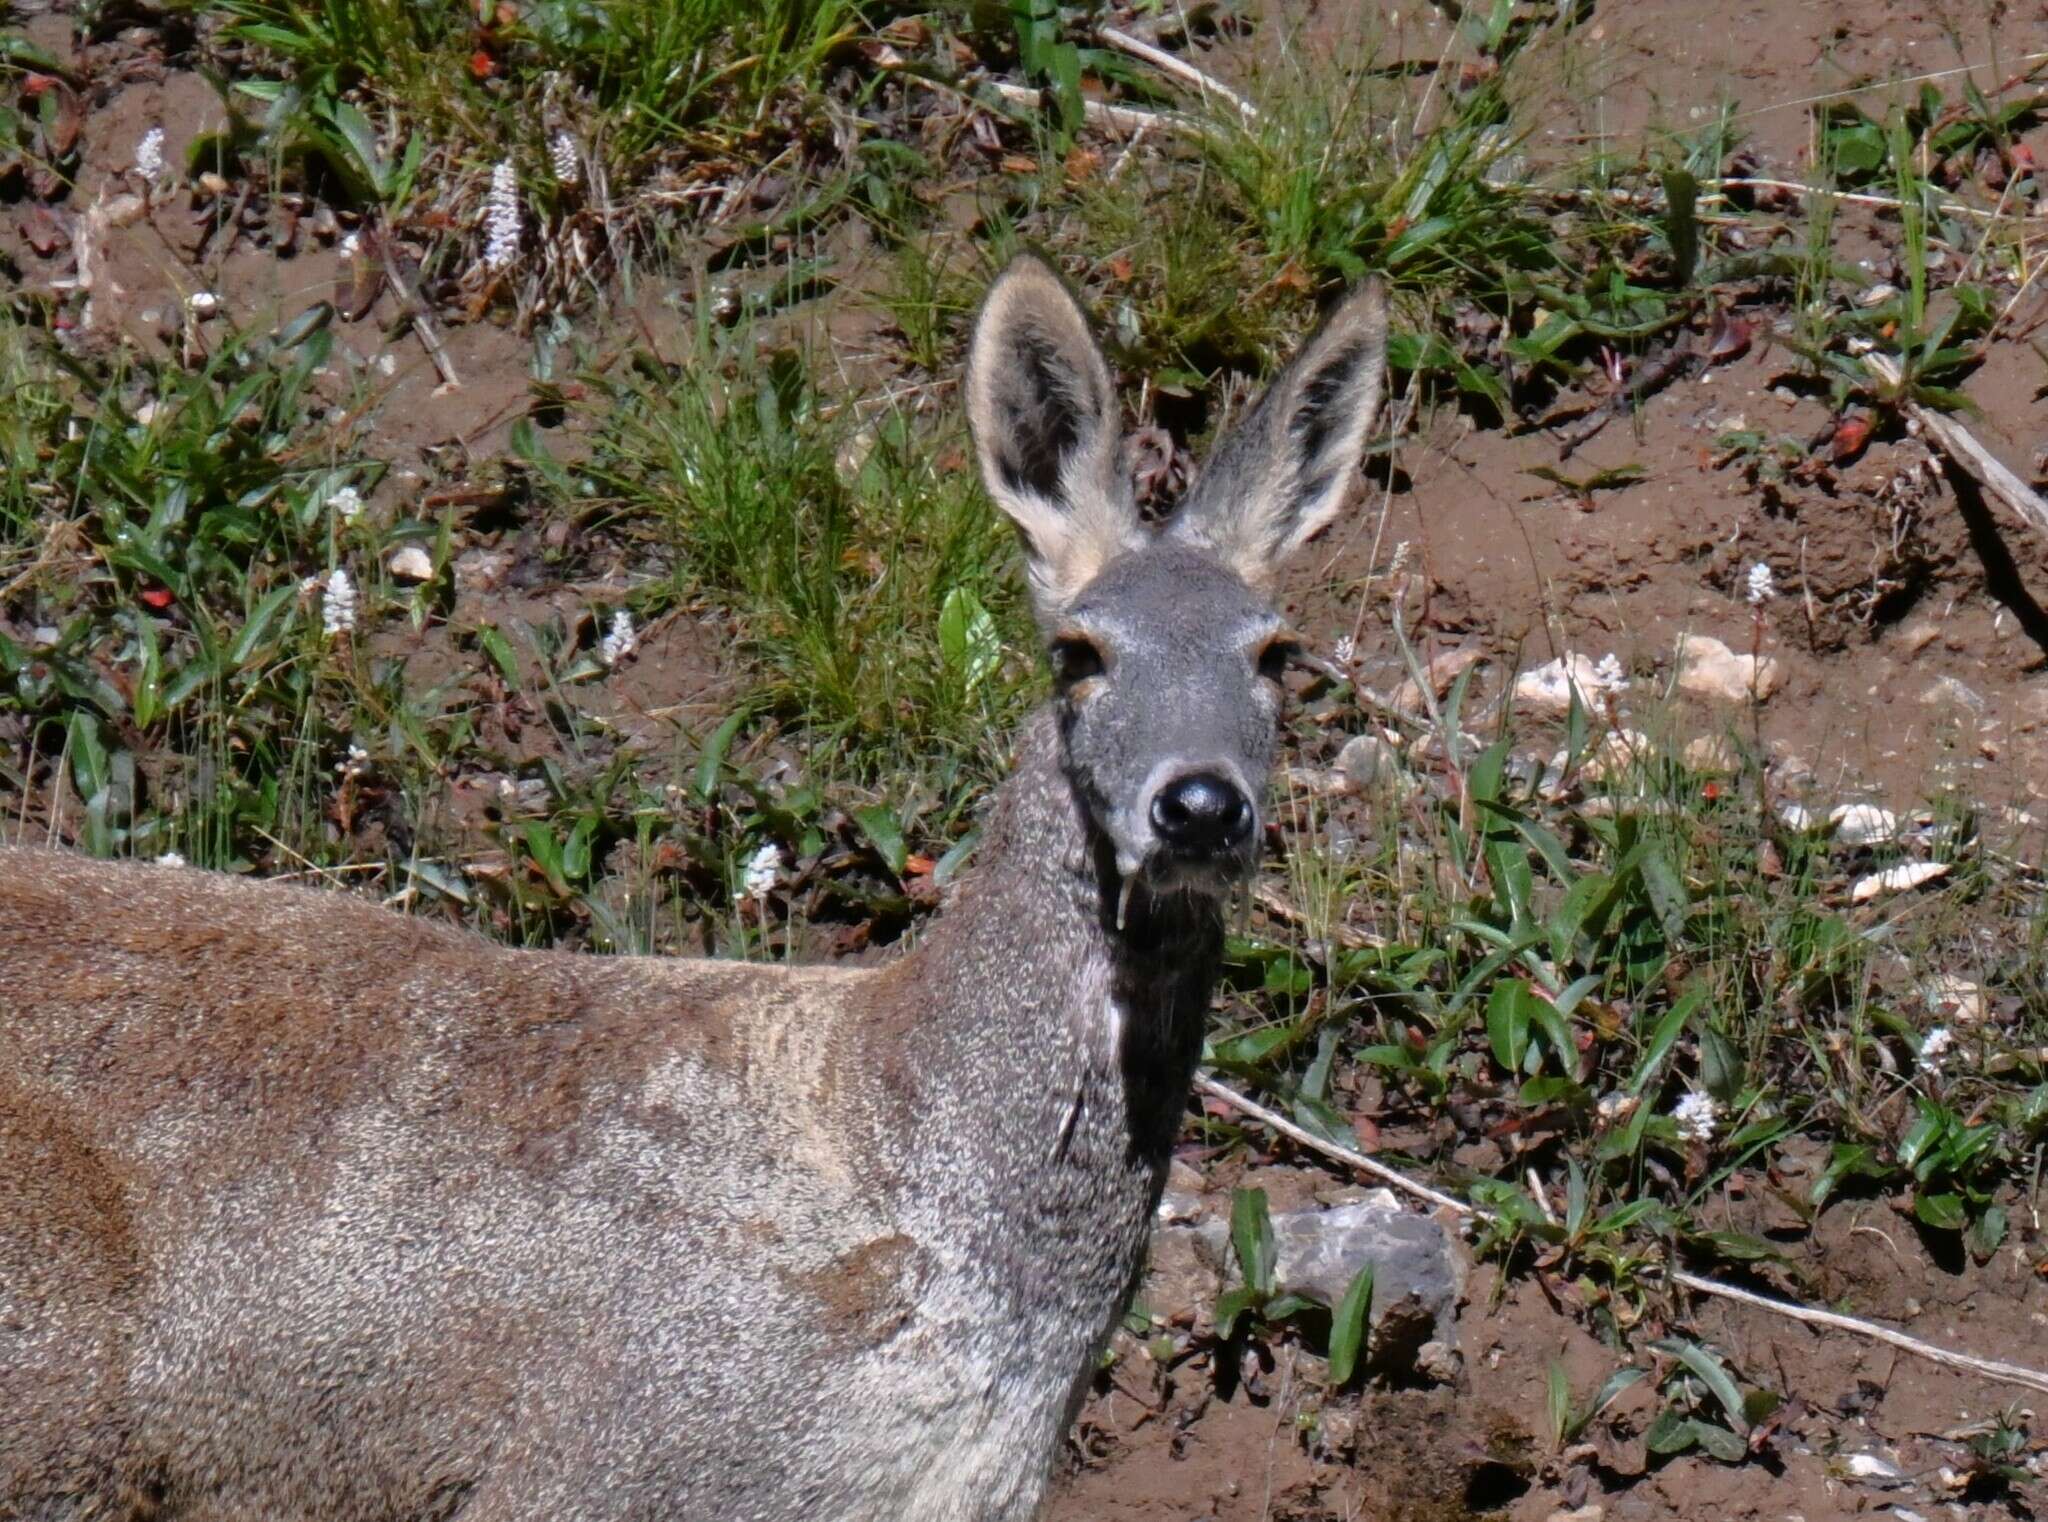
(1348, 1328)
(1251, 1234)
(1711, 1371)
(968, 640)
(885, 833)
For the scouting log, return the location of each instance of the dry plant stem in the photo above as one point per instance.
(1123, 118)
(1178, 67)
(422, 324)
(1990, 1368)
(1961, 446)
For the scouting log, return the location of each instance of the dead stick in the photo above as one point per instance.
(421, 323)
(2007, 1373)
(1961, 446)
(1124, 118)
(1179, 68)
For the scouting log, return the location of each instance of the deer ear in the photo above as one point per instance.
(1044, 415)
(1288, 469)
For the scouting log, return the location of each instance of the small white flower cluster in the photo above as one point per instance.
(564, 159)
(346, 502)
(764, 870)
(621, 641)
(1346, 651)
(353, 765)
(1761, 587)
(350, 245)
(1607, 671)
(501, 219)
(338, 604)
(1696, 1115)
(1934, 1048)
(149, 155)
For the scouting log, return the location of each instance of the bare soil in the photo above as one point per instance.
(1912, 630)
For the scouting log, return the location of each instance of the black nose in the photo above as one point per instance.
(1201, 812)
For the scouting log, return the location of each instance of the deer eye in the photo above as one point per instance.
(1075, 658)
(1276, 655)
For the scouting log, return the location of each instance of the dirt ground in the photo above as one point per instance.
(1916, 650)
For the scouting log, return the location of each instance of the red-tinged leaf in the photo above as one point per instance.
(918, 865)
(158, 598)
(1367, 1130)
(482, 65)
(1851, 435)
(1729, 338)
(37, 85)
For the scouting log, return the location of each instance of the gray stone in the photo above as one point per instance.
(1418, 1273)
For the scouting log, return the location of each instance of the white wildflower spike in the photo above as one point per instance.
(763, 872)
(347, 503)
(1761, 587)
(621, 641)
(1346, 651)
(355, 764)
(1696, 1115)
(501, 219)
(149, 155)
(338, 604)
(1934, 1047)
(565, 159)
(1609, 675)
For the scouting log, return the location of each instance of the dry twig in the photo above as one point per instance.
(1179, 68)
(1962, 446)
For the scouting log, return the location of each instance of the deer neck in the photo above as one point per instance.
(1049, 1026)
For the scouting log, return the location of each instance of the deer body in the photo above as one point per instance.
(310, 1210)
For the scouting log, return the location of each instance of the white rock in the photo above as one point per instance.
(1947, 692)
(1709, 669)
(1863, 824)
(411, 563)
(1365, 759)
(202, 304)
(1897, 879)
(1874, 1466)
(1548, 688)
(1714, 754)
(1953, 999)
(1797, 817)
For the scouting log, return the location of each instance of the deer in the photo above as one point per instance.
(314, 1209)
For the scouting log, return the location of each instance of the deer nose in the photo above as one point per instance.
(1201, 812)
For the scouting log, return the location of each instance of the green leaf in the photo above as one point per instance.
(1251, 1234)
(1348, 1328)
(1230, 1305)
(1681, 222)
(885, 833)
(1610, 1387)
(1720, 1065)
(968, 640)
(1720, 1442)
(1665, 1036)
(1986, 1233)
(1510, 1008)
(1670, 1433)
(1944, 1212)
(712, 762)
(1711, 1371)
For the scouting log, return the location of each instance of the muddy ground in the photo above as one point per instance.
(1916, 649)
